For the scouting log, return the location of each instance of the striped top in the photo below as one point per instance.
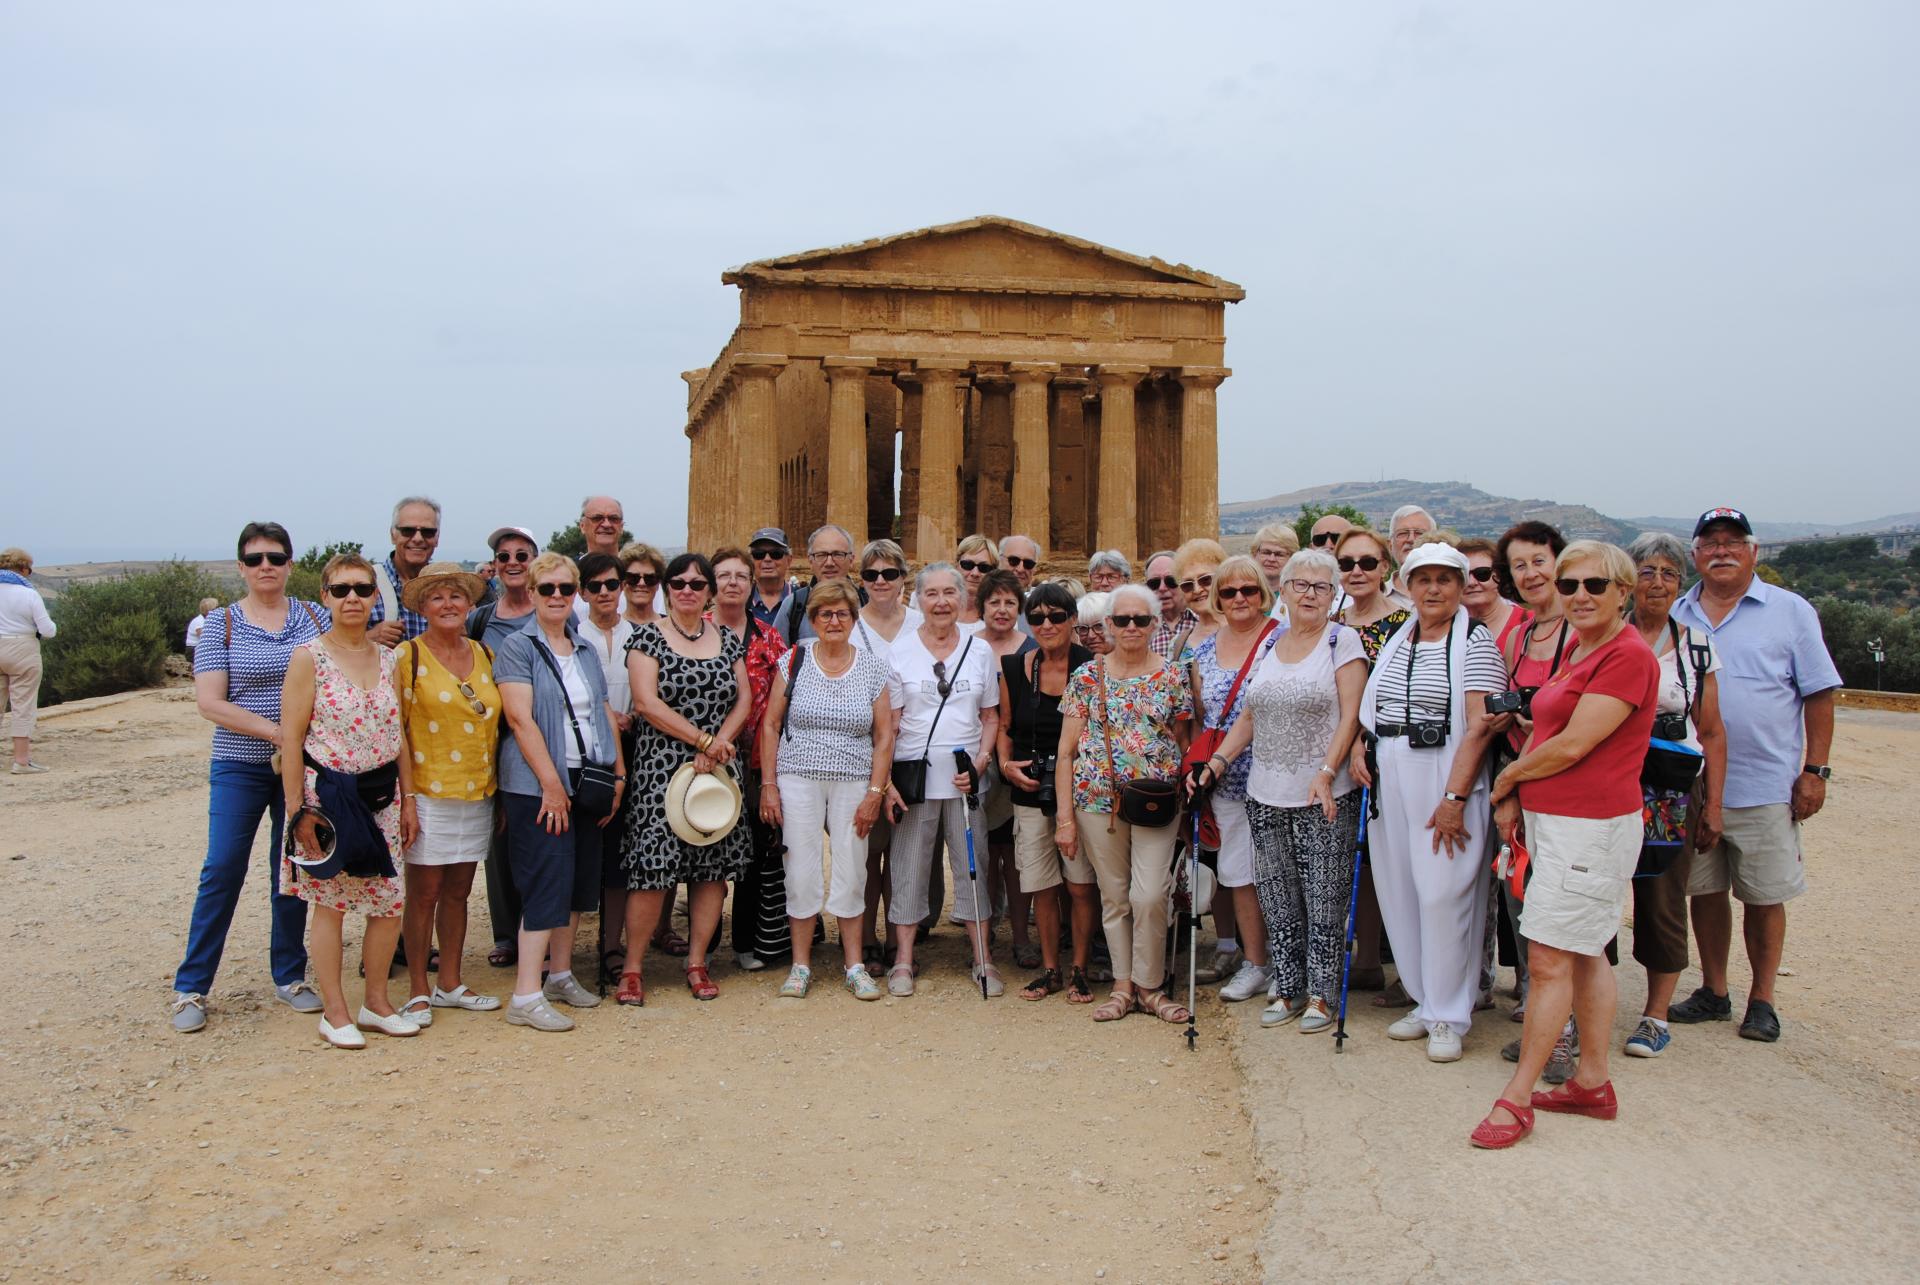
(255, 663)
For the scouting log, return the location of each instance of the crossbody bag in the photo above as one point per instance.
(910, 775)
(594, 786)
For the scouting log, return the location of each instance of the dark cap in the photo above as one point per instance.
(770, 535)
(1722, 514)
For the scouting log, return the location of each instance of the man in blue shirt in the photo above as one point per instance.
(772, 596)
(1776, 698)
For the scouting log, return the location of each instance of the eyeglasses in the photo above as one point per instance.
(1411, 532)
(888, 574)
(1667, 574)
(1041, 616)
(1270, 551)
(940, 681)
(687, 584)
(359, 589)
(1025, 564)
(968, 564)
(565, 588)
(768, 555)
(518, 555)
(1131, 622)
(271, 559)
(603, 586)
(1229, 592)
(641, 579)
(1567, 586)
(1195, 585)
(599, 519)
(825, 555)
(1368, 563)
(1325, 538)
(1157, 583)
(1305, 588)
(1720, 546)
(833, 614)
(1482, 574)
(424, 532)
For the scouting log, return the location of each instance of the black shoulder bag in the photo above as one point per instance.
(910, 775)
(592, 784)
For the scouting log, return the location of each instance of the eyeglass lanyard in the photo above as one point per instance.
(1413, 645)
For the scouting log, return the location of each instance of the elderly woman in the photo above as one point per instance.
(1302, 712)
(1107, 570)
(883, 577)
(450, 728)
(826, 746)
(554, 695)
(1574, 798)
(1689, 715)
(1221, 665)
(1273, 544)
(1125, 718)
(1486, 607)
(238, 671)
(693, 697)
(945, 697)
(999, 598)
(339, 705)
(1424, 706)
(1031, 685)
(194, 627)
(493, 622)
(23, 623)
(642, 568)
(1193, 566)
(1090, 627)
(975, 555)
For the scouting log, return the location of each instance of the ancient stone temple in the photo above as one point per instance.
(986, 375)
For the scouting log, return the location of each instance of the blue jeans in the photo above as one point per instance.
(238, 793)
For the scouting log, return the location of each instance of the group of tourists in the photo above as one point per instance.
(1512, 738)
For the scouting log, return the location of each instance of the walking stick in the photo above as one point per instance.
(1353, 904)
(1193, 923)
(964, 762)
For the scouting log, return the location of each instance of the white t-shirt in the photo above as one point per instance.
(194, 627)
(580, 694)
(610, 648)
(1295, 711)
(1672, 699)
(913, 688)
(865, 635)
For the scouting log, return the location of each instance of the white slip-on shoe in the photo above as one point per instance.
(342, 1037)
(1408, 1028)
(461, 997)
(396, 1025)
(422, 1015)
(1443, 1043)
(1251, 980)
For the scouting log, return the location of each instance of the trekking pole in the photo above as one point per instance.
(964, 762)
(1353, 904)
(1193, 923)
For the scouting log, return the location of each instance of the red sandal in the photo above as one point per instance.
(1570, 1099)
(700, 983)
(1489, 1136)
(632, 991)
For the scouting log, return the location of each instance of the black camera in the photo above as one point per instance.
(1427, 735)
(1041, 770)
(1514, 702)
(1670, 727)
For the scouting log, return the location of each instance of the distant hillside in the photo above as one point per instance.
(1456, 505)
(1790, 530)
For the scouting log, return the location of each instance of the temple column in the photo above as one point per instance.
(912, 406)
(1119, 524)
(1032, 452)
(993, 463)
(941, 427)
(1200, 451)
(1072, 465)
(756, 448)
(847, 443)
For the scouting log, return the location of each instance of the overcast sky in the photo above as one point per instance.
(290, 261)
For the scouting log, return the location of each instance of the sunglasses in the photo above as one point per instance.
(597, 519)
(1026, 564)
(603, 586)
(1157, 583)
(769, 555)
(424, 532)
(641, 579)
(1229, 592)
(1041, 616)
(518, 555)
(473, 699)
(1368, 563)
(271, 559)
(888, 574)
(1482, 574)
(1131, 622)
(1325, 538)
(359, 589)
(1567, 586)
(968, 564)
(565, 589)
(1191, 587)
(687, 584)
(940, 680)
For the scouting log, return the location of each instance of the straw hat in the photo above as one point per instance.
(435, 574)
(702, 807)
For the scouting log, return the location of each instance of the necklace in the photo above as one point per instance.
(820, 662)
(361, 650)
(696, 636)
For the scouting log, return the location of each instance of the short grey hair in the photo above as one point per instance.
(831, 526)
(1112, 560)
(1649, 545)
(1092, 607)
(936, 569)
(1135, 593)
(586, 502)
(1031, 544)
(1311, 560)
(1407, 511)
(410, 500)
(1158, 554)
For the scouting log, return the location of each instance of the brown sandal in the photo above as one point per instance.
(1163, 1006)
(701, 984)
(1116, 1007)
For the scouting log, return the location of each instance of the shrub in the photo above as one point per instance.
(105, 644)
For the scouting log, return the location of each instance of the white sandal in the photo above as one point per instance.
(461, 997)
(422, 1019)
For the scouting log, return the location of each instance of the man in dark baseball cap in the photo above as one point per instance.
(1733, 517)
(772, 560)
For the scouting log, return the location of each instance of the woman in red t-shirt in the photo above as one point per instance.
(1579, 786)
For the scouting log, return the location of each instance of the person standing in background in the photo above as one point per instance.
(23, 623)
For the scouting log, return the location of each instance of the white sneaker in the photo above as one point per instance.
(1443, 1043)
(748, 961)
(1408, 1028)
(1282, 1011)
(1248, 982)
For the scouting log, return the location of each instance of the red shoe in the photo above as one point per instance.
(631, 991)
(1571, 1099)
(700, 984)
(1489, 1136)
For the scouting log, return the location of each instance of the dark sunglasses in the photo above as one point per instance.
(682, 584)
(603, 586)
(359, 589)
(1136, 622)
(888, 574)
(968, 564)
(565, 589)
(424, 532)
(941, 682)
(1157, 583)
(1595, 585)
(1368, 563)
(1482, 574)
(271, 559)
(518, 555)
(1041, 616)
(1229, 592)
(1325, 537)
(641, 579)
(769, 555)
(1191, 587)
(1027, 564)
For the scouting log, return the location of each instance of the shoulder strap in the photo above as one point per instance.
(389, 601)
(477, 623)
(1106, 734)
(226, 618)
(1246, 667)
(796, 612)
(572, 717)
(934, 726)
(413, 663)
(796, 659)
(312, 615)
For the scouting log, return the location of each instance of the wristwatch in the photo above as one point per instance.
(1820, 770)
(1451, 797)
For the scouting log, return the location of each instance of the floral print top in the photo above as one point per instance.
(765, 647)
(1139, 714)
(1374, 636)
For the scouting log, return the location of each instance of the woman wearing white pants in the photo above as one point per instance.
(1424, 708)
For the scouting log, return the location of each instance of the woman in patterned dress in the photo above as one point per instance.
(690, 688)
(339, 705)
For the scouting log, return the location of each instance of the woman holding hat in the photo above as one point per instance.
(690, 689)
(450, 724)
(339, 707)
(1425, 706)
(562, 773)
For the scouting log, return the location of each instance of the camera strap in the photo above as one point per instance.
(1413, 645)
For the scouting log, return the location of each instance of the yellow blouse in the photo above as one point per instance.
(452, 741)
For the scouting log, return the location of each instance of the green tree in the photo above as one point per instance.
(570, 541)
(304, 580)
(1312, 513)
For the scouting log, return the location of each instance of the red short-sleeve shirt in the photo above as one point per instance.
(1606, 783)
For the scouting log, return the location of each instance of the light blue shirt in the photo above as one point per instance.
(517, 661)
(1772, 657)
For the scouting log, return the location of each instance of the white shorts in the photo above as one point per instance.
(1236, 843)
(1581, 873)
(451, 831)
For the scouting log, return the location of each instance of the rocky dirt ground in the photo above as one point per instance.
(934, 1138)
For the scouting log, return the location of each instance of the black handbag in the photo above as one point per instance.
(910, 775)
(1146, 802)
(593, 783)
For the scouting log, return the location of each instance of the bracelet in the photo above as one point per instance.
(876, 789)
(1330, 771)
(706, 739)
(1218, 757)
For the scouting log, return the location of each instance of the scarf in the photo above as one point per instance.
(14, 577)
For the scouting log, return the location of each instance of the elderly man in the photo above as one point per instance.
(603, 524)
(1410, 523)
(772, 590)
(1327, 531)
(1776, 699)
(416, 534)
(830, 554)
(1176, 617)
(1107, 570)
(1021, 553)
